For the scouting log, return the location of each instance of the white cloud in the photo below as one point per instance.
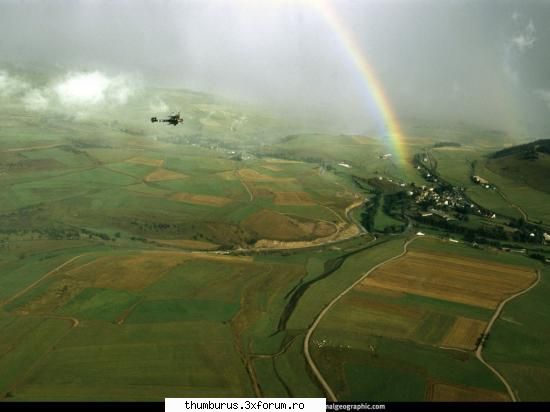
(523, 41)
(36, 99)
(120, 90)
(93, 88)
(10, 85)
(82, 88)
(78, 90)
(526, 39)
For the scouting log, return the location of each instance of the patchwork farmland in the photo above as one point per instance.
(139, 262)
(419, 317)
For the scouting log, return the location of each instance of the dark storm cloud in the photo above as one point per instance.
(485, 62)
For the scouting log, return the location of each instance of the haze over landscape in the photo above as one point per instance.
(451, 60)
(340, 199)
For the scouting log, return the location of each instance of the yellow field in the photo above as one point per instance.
(293, 198)
(195, 199)
(135, 272)
(455, 393)
(145, 161)
(132, 272)
(163, 174)
(453, 278)
(464, 333)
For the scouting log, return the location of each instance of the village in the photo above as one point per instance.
(441, 206)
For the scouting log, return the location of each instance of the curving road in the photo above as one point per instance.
(478, 353)
(497, 313)
(36, 282)
(319, 317)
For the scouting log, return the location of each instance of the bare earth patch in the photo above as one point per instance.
(206, 200)
(145, 161)
(160, 175)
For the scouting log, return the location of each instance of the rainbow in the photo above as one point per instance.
(373, 85)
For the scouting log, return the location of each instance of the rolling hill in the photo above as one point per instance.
(527, 163)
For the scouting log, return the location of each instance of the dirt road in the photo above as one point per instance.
(497, 313)
(309, 359)
(36, 282)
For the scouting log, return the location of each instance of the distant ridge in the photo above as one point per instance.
(528, 164)
(525, 151)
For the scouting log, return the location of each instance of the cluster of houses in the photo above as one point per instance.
(482, 182)
(440, 201)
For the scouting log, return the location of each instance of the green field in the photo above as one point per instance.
(517, 344)
(405, 338)
(514, 191)
(139, 261)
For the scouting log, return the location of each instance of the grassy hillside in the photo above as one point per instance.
(528, 164)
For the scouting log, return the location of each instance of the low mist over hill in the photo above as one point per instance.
(483, 63)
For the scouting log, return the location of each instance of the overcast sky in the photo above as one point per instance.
(485, 62)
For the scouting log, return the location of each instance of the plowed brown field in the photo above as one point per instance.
(145, 161)
(195, 199)
(453, 278)
(163, 174)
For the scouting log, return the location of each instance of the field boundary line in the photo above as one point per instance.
(31, 148)
(238, 176)
(496, 315)
(18, 381)
(321, 314)
(36, 282)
